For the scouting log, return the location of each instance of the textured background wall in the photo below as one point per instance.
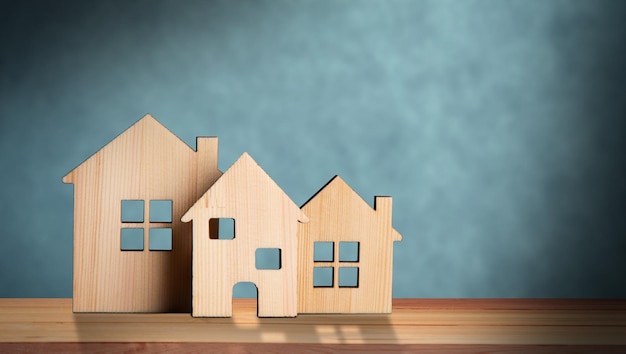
(498, 126)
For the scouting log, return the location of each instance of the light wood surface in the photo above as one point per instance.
(338, 216)
(446, 322)
(265, 218)
(146, 162)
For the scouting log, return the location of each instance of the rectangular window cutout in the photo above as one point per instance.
(225, 229)
(323, 251)
(131, 239)
(349, 251)
(323, 277)
(160, 239)
(132, 210)
(160, 211)
(349, 277)
(268, 258)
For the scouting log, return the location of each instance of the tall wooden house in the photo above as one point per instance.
(131, 251)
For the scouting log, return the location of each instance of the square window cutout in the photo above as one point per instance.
(323, 277)
(160, 211)
(267, 258)
(323, 251)
(132, 210)
(131, 239)
(160, 239)
(348, 251)
(222, 229)
(349, 277)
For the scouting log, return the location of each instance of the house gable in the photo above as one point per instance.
(244, 180)
(139, 141)
(336, 193)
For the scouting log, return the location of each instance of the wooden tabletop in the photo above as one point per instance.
(461, 325)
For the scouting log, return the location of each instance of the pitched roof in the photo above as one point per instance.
(244, 173)
(334, 186)
(337, 186)
(146, 127)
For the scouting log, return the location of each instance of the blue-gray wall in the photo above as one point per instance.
(499, 127)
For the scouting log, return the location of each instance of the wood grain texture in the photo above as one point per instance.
(479, 323)
(337, 214)
(308, 348)
(264, 217)
(146, 162)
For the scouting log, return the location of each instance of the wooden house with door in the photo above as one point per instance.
(265, 222)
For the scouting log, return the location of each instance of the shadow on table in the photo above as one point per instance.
(244, 328)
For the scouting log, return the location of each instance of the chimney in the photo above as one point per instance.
(382, 205)
(206, 155)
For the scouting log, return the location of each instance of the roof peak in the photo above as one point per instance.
(245, 168)
(146, 122)
(336, 180)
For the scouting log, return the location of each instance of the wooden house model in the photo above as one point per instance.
(131, 251)
(147, 210)
(266, 220)
(348, 246)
